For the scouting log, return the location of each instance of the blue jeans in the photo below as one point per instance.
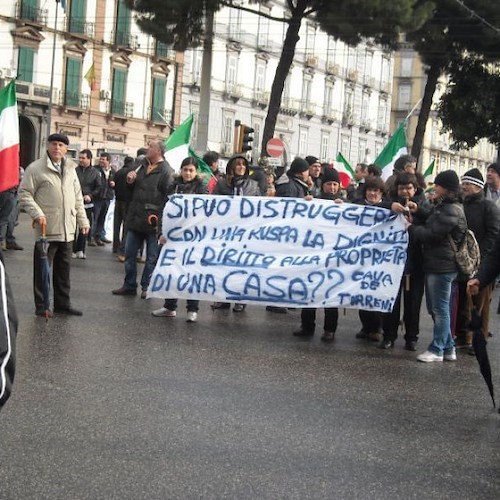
(132, 246)
(437, 293)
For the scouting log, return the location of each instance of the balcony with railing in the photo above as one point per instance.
(75, 100)
(233, 91)
(329, 115)
(307, 109)
(120, 108)
(32, 92)
(289, 106)
(125, 39)
(261, 98)
(32, 13)
(160, 116)
(81, 27)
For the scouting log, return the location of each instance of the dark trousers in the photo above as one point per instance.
(100, 211)
(80, 242)
(119, 226)
(59, 257)
(7, 203)
(308, 319)
(192, 305)
(371, 321)
(410, 291)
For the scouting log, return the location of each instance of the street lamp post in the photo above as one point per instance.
(51, 91)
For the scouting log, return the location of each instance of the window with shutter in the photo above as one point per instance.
(158, 105)
(122, 36)
(25, 64)
(72, 84)
(77, 16)
(118, 92)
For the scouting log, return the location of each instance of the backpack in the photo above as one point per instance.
(467, 255)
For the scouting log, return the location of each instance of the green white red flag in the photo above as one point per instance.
(344, 169)
(395, 148)
(429, 173)
(9, 138)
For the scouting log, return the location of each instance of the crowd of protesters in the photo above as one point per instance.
(434, 218)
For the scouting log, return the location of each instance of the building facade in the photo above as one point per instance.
(108, 86)
(409, 85)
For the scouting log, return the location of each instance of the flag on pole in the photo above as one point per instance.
(178, 148)
(395, 148)
(344, 169)
(90, 77)
(429, 173)
(9, 138)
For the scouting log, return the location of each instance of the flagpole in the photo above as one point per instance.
(412, 110)
(49, 114)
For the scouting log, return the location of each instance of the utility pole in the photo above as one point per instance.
(51, 92)
(206, 77)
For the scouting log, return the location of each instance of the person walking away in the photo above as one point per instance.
(91, 184)
(444, 221)
(51, 195)
(187, 183)
(150, 184)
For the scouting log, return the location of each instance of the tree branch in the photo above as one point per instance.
(252, 11)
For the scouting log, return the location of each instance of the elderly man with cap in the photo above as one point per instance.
(50, 193)
(483, 219)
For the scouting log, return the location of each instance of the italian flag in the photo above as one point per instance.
(9, 138)
(429, 173)
(395, 148)
(178, 148)
(344, 169)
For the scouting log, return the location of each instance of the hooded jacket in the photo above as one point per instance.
(237, 185)
(45, 192)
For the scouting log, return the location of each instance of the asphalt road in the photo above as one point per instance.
(118, 404)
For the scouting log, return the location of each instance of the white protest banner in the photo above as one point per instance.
(280, 251)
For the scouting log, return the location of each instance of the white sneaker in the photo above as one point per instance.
(429, 357)
(73, 255)
(451, 356)
(163, 312)
(192, 316)
(80, 255)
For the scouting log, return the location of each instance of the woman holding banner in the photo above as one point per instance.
(188, 182)
(237, 182)
(404, 194)
(330, 190)
(371, 321)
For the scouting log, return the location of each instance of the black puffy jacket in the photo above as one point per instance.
(483, 219)
(446, 218)
(149, 196)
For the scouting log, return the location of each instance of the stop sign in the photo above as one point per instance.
(275, 147)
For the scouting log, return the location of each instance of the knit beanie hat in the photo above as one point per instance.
(495, 167)
(298, 165)
(311, 160)
(448, 180)
(474, 176)
(330, 175)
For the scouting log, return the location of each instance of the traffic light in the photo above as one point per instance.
(245, 138)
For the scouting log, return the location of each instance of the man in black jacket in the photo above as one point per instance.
(150, 185)
(90, 182)
(293, 183)
(8, 330)
(483, 219)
